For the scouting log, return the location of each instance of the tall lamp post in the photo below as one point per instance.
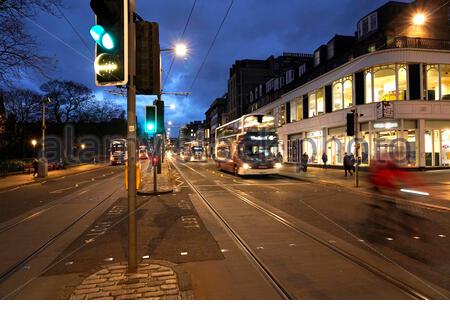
(43, 163)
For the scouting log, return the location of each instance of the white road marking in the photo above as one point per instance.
(184, 253)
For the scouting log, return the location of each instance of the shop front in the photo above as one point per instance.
(437, 143)
(313, 146)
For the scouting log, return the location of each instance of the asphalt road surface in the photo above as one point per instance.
(412, 240)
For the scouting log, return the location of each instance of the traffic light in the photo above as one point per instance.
(350, 124)
(150, 119)
(148, 58)
(111, 36)
(159, 116)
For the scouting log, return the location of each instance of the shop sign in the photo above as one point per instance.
(385, 125)
(385, 110)
(314, 134)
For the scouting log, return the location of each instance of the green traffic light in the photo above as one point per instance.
(150, 127)
(102, 37)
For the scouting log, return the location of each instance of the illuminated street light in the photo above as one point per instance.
(34, 142)
(181, 50)
(172, 106)
(83, 146)
(169, 123)
(419, 19)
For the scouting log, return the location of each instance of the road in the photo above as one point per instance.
(336, 216)
(34, 216)
(238, 238)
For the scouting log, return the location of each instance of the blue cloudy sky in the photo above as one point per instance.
(254, 29)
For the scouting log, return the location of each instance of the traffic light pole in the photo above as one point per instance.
(131, 102)
(357, 147)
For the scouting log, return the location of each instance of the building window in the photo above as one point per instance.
(337, 95)
(445, 81)
(316, 103)
(260, 90)
(302, 70)
(276, 84)
(384, 83)
(290, 76)
(432, 82)
(282, 81)
(269, 85)
(312, 105)
(343, 93)
(251, 96)
(368, 24)
(299, 108)
(368, 91)
(293, 107)
(320, 102)
(316, 58)
(402, 82)
(330, 49)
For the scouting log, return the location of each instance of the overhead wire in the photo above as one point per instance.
(74, 29)
(181, 38)
(212, 45)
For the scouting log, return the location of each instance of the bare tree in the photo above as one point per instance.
(68, 99)
(18, 49)
(101, 111)
(22, 104)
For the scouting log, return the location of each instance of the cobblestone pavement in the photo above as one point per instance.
(155, 280)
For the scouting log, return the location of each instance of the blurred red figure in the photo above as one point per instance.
(386, 177)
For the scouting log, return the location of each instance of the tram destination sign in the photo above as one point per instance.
(385, 110)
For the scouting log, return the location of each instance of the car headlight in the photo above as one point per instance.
(278, 165)
(245, 166)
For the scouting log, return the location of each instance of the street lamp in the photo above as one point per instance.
(172, 106)
(180, 50)
(34, 142)
(169, 123)
(419, 19)
(83, 146)
(43, 164)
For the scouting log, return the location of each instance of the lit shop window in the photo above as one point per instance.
(342, 93)
(299, 108)
(402, 82)
(312, 105)
(348, 92)
(384, 83)
(320, 102)
(432, 82)
(316, 103)
(445, 81)
(368, 93)
(337, 95)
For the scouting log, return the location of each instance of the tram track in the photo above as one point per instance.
(27, 257)
(406, 288)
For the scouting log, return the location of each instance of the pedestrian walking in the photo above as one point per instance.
(347, 164)
(279, 157)
(305, 159)
(35, 165)
(352, 162)
(325, 160)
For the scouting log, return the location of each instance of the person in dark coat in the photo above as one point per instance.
(348, 164)
(305, 159)
(325, 160)
(35, 165)
(352, 162)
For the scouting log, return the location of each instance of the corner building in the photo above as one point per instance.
(396, 74)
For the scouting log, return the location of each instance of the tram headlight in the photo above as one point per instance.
(245, 166)
(278, 165)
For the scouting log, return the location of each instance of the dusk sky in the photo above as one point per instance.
(254, 29)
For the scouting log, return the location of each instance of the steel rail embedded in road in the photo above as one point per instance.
(262, 268)
(43, 209)
(11, 270)
(401, 285)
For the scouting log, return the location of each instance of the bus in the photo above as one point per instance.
(248, 146)
(193, 151)
(118, 153)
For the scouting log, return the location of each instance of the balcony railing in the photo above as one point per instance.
(418, 43)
